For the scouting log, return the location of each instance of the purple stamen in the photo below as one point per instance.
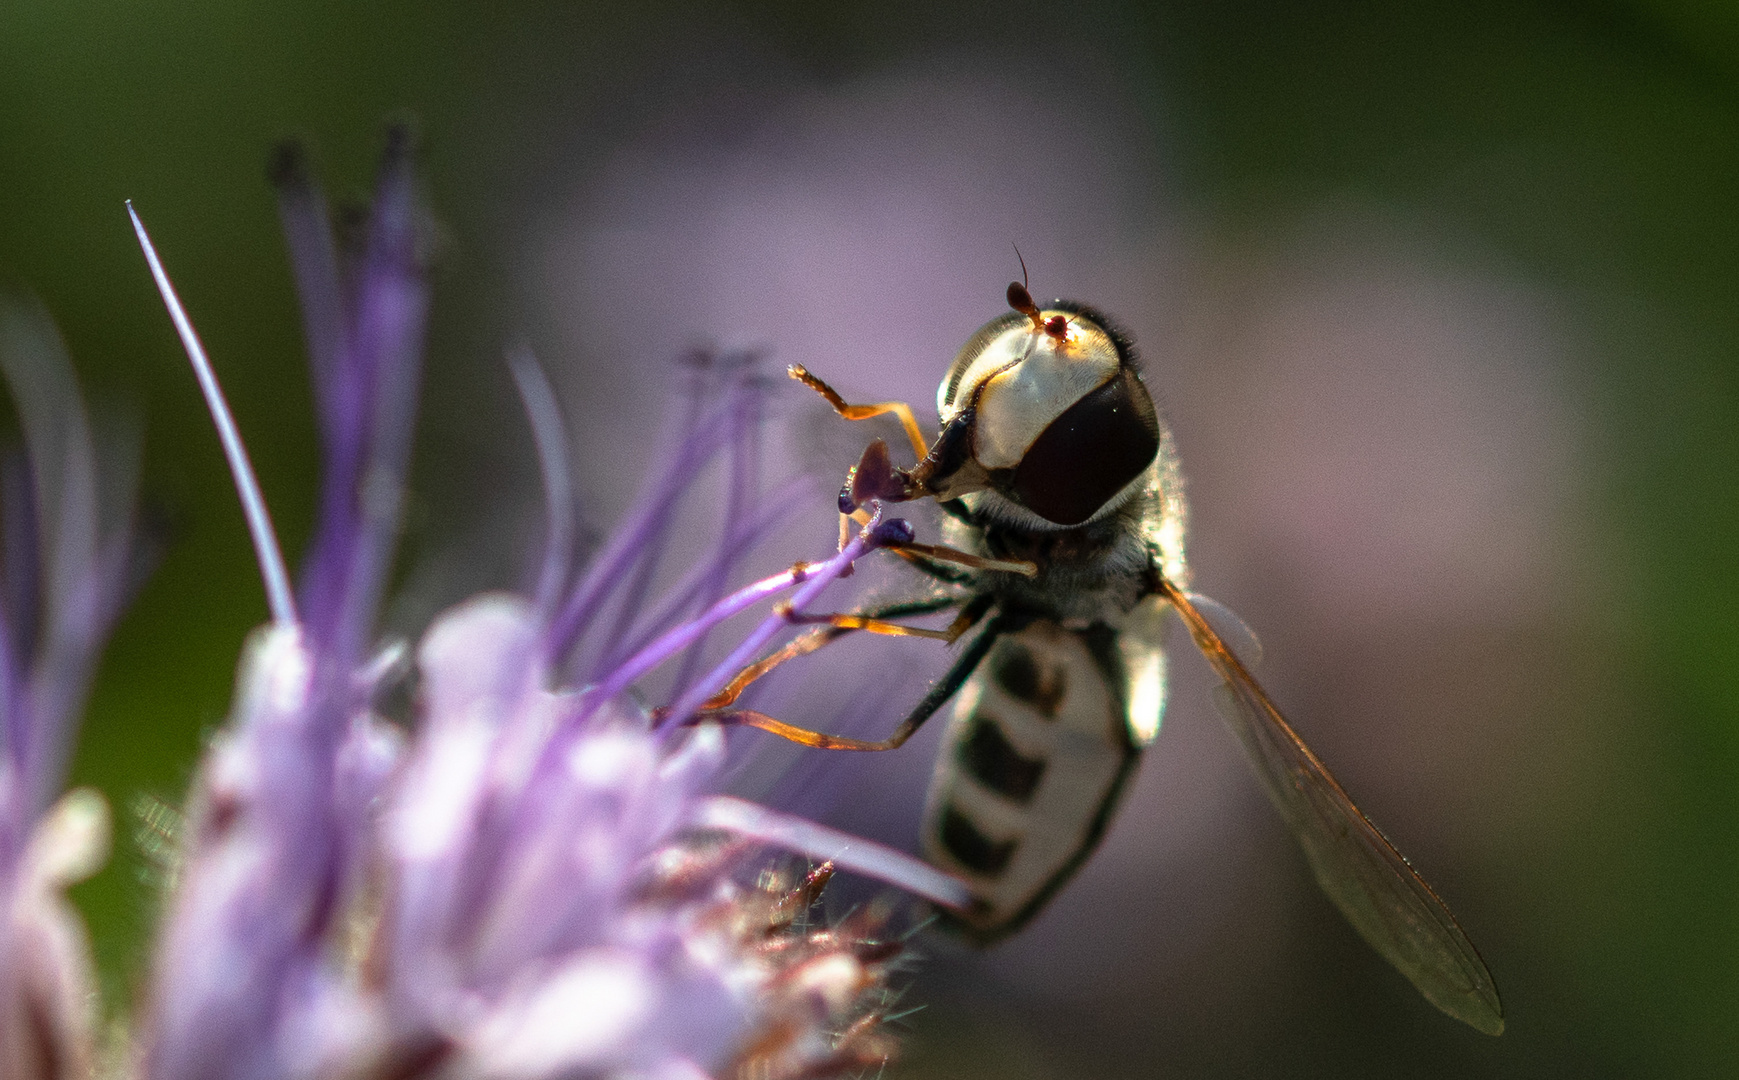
(629, 542)
(816, 579)
(550, 435)
(529, 860)
(744, 472)
(633, 597)
(674, 641)
(686, 593)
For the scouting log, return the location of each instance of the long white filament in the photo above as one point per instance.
(277, 578)
(821, 843)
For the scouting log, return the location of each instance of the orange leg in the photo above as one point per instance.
(846, 623)
(945, 688)
(803, 736)
(908, 420)
(803, 646)
(964, 558)
(834, 628)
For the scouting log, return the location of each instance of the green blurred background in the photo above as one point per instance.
(1591, 150)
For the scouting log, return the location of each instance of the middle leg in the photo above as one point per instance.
(833, 631)
(945, 688)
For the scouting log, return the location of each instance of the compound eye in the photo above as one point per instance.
(1089, 453)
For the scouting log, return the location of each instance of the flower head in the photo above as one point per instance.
(538, 880)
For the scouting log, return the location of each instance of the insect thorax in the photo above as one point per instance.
(1091, 573)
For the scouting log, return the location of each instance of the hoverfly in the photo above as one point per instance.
(1064, 529)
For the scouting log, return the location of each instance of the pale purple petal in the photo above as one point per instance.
(64, 577)
(276, 862)
(64, 584)
(47, 994)
(530, 883)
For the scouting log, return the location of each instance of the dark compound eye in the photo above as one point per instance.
(1089, 453)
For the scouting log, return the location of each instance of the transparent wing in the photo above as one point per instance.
(1380, 894)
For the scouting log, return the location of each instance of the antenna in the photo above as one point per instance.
(1020, 299)
(277, 579)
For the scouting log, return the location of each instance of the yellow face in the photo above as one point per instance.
(1029, 378)
(1060, 422)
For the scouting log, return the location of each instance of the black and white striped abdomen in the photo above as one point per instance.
(1034, 759)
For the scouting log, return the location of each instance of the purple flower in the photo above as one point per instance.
(65, 560)
(537, 880)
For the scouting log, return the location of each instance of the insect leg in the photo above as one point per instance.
(863, 412)
(914, 552)
(969, 616)
(918, 554)
(878, 624)
(815, 639)
(945, 688)
(847, 622)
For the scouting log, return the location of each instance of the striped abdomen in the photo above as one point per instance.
(1032, 764)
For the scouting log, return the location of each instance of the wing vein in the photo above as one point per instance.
(1374, 886)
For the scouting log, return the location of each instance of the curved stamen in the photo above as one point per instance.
(277, 578)
(550, 434)
(814, 578)
(823, 844)
(675, 640)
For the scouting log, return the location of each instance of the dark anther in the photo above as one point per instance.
(893, 532)
(846, 503)
(288, 165)
(401, 139)
(416, 1055)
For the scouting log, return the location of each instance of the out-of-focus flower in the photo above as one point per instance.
(537, 881)
(65, 560)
